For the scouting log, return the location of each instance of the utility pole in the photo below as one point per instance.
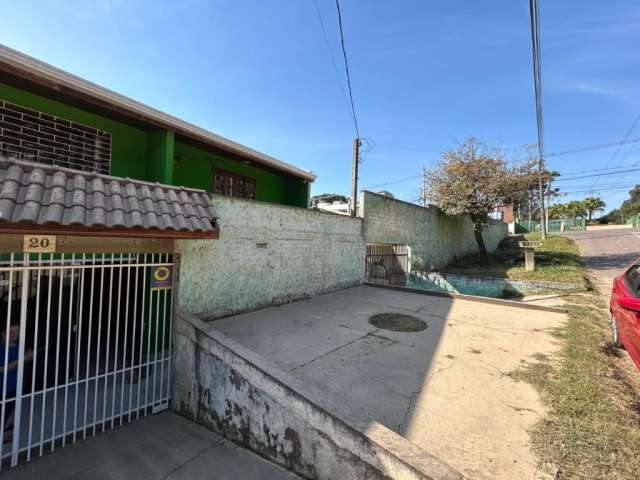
(543, 224)
(424, 186)
(354, 177)
(534, 15)
(548, 204)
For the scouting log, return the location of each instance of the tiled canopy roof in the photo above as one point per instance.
(55, 198)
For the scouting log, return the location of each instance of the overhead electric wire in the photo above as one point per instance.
(333, 60)
(628, 168)
(606, 169)
(615, 154)
(592, 147)
(556, 154)
(617, 188)
(346, 67)
(393, 182)
(406, 195)
(603, 174)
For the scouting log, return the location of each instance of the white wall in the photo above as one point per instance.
(433, 236)
(268, 254)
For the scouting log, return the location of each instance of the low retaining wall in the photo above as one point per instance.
(229, 389)
(485, 286)
(268, 254)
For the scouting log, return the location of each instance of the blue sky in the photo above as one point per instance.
(425, 74)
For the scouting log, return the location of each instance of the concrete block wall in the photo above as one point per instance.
(268, 254)
(432, 236)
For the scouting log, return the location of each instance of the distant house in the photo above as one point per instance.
(386, 194)
(504, 213)
(338, 203)
(334, 203)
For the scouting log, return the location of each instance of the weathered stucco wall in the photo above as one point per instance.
(433, 236)
(229, 389)
(268, 254)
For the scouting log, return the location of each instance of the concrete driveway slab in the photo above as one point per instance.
(280, 329)
(444, 388)
(382, 370)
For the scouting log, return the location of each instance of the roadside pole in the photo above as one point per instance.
(543, 223)
(534, 16)
(354, 177)
(424, 186)
(546, 216)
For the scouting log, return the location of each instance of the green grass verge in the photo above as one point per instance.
(592, 428)
(557, 260)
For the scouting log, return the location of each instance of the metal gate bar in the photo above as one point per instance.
(92, 367)
(387, 264)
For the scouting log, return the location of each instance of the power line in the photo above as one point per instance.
(346, 67)
(615, 154)
(393, 182)
(604, 186)
(615, 189)
(405, 195)
(592, 147)
(556, 154)
(333, 60)
(606, 169)
(561, 179)
(627, 168)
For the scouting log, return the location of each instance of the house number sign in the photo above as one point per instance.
(39, 244)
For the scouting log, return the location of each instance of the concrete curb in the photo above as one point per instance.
(472, 298)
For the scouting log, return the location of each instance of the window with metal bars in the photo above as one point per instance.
(233, 185)
(39, 137)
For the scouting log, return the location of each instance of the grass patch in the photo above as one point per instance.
(557, 260)
(397, 322)
(592, 428)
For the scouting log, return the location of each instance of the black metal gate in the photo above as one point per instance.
(387, 264)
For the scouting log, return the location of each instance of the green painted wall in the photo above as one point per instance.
(128, 144)
(193, 167)
(160, 156)
(156, 156)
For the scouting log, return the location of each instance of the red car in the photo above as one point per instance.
(625, 312)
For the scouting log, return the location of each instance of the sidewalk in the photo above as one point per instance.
(164, 446)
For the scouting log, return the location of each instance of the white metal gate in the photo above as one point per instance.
(85, 346)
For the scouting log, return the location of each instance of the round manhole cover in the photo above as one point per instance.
(397, 322)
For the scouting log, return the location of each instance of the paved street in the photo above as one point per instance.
(607, 252)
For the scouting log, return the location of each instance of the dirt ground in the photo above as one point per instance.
(445, 388)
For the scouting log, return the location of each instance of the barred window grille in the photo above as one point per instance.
(39, 137)
(233, 185)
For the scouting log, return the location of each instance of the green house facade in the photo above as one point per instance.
(40, 104)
